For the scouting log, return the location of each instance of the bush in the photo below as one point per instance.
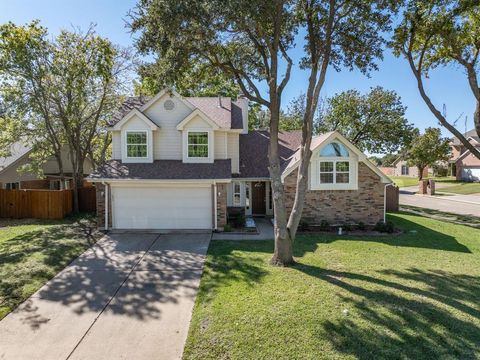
(346, 227)
(239, 221)
(227, 228)
(303, 225)
(324, 225)
(384, 227)
(361, 226)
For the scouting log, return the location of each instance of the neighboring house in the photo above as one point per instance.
(401, 168)
(12, 178)
(183, 163)
(464, 164)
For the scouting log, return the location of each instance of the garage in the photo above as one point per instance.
(162, 207)
(471, 173)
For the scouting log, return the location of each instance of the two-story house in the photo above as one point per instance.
(181, 163)
(465, 165)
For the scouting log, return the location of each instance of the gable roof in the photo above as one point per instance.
(201, 114)
(140, 115)
(471, 134)
(17, 151)
(326, 138)
(227, 114)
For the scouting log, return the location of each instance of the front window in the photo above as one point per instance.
(236, 194)
(137, 144)
(198, 144)
(335, 166)
(404, 170)
(12, 186)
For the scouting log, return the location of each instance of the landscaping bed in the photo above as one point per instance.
(415, 295)
(34, 251)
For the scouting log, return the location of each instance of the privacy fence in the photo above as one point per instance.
(43, 204)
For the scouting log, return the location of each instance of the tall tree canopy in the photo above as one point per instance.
(58, 93)
(437, 33)
(427, 149)
(374, 122)
(250, 42)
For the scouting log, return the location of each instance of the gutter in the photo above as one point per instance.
(215, 206)
(106, 205)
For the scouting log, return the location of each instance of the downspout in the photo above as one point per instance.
(215, 205)
(385, 201)
(106, 205)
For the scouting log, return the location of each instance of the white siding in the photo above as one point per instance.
(220, 145)
(167, 141)
(233, 151)
(116, 145)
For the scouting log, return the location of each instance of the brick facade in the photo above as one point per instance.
(100, 188)
(35, 184)
(342, 206)
(221, 206)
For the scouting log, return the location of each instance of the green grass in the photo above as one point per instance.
(468, 220)
(415, 295)
(33, 251)
(462, 188)
(404, 181)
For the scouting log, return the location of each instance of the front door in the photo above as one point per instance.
(258, 198)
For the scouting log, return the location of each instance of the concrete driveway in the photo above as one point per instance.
(128, 297)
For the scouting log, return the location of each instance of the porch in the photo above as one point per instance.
(254, 197)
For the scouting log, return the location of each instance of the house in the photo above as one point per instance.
(183, 163)
(465, 166)
(12, 178)
(401, 168)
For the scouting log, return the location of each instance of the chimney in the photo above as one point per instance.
(243, 103)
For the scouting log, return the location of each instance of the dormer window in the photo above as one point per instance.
(197, 144)
(137, 147)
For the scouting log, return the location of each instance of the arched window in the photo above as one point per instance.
(334, 171)
(334, 149)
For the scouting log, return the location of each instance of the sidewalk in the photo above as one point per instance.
(264, 227)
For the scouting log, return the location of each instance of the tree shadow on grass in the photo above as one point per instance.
(413, 235)
(414, 314)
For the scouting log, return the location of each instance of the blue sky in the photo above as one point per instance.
(446, 85)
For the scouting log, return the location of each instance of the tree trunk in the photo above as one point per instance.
(283, 253)
(420, 172)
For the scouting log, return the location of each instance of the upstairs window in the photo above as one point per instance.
(335, 167)
(198, 144)
(137, 144)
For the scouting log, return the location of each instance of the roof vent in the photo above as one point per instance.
(169, 105)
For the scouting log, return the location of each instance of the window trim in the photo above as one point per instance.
(127, 144)
(234, 183)
(211, 145)
(208, 145)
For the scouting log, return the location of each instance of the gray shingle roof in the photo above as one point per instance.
(17, 150)
(163, 170)
(472, 133)
(254, 151)
(223, 111)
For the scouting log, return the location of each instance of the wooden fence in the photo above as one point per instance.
(392, 198)
(38, 204)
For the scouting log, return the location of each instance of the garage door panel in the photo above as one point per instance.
(162, 208)
(471, 173)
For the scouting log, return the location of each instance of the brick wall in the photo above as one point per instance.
(221, 206)
(342, 206)
(100, 188)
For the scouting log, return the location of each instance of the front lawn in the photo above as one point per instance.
(409, 296)
(404, 181)
(463, 188)
(33, 251)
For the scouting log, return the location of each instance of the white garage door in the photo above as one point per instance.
(471, 173)
(162, 207)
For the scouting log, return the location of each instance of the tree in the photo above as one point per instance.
(250, 42)
(60, 92)
(374, 122)
(440, 33)
(427, 149)
(388, 159)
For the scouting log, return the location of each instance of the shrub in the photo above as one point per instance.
(346, 227)
(303, 225)
(324, 225)
(239, 220)
(384, 227)
(227, 228)
(361, 226)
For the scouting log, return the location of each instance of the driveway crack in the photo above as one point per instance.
(112, 297)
